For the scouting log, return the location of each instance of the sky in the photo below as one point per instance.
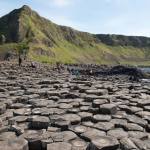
(128, 17)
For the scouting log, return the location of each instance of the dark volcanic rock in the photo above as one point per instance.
(43, 109)
(104, 143)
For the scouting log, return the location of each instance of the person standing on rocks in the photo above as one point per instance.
(20, 61)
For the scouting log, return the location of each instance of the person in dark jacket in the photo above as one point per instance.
(20, 61)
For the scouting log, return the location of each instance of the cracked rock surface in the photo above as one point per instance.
(42, 109)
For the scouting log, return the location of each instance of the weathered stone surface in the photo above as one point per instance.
(138, 134)
(133, 127)
(59, 146)
(97, 92)
(136, 120)
(73, 118)
(104, 126)
(7, 135)
(85, 116)
(127, 144)
(2, 108)
(40, 122)
(108, 108)
(92, 134)
(117, 133)
(14, 144)
(79, 144)
(104, 142)
(64, 136)
(101, 118)
(16, 129)
(34, 139)
(79, 129)
(22, 112)
(73, 111)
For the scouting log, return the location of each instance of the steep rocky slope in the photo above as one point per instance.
(50, 42)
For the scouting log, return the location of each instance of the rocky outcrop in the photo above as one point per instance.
(41, 108)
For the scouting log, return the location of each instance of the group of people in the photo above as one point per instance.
(20, 61)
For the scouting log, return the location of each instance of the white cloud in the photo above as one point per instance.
(62, 3)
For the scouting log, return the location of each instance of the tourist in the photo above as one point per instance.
(20, 61)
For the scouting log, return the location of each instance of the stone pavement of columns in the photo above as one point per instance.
(41, 109)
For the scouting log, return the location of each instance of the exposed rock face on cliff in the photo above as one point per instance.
(68, 45)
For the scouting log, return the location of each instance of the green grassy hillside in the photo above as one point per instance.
(49, 42)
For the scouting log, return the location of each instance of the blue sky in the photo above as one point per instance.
(129, 17)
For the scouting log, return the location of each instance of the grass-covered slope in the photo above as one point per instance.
(50, 43)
